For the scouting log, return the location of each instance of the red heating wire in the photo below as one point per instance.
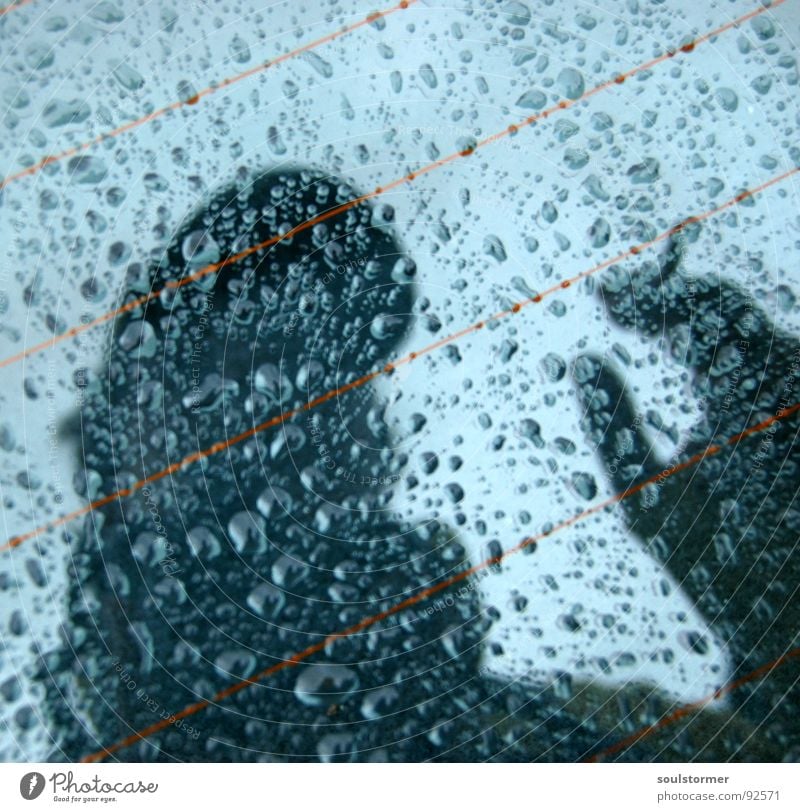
(686, 710)
(191, 101)
(511, 130)
(9, 8)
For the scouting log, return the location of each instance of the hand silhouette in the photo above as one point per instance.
(727, 529)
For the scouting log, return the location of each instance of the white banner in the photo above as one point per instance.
(401, 787)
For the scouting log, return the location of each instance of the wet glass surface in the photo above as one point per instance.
(421, 393)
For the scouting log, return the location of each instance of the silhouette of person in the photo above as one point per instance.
(728, 528)
(240, 560)
(275, 542)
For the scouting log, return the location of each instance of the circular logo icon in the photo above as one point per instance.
(31, 786)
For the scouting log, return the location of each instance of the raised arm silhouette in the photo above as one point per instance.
(728, 528)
